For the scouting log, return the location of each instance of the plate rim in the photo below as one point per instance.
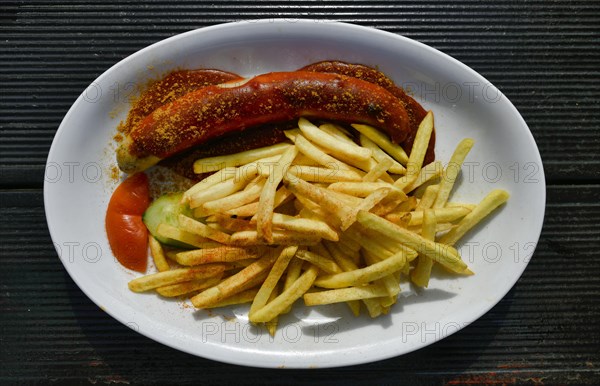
(115, 310)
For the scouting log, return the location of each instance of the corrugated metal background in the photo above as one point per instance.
(544, 55)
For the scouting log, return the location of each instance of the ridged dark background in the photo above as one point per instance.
(544, 55)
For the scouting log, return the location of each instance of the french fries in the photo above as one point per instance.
(451, 172)
(364, 275)
(341, 149)
(493, 200)
(175, 276)
(443, 254)
(344, 295)
(306, 225)
(275, 307)
(266, 203)
(383, 142)
(207, 165)
(420, 275)
(224, 254)
(321, 218)
(158, 255)
(173, 290)
(270, 283)
(233, 284)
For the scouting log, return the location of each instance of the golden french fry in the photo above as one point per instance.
(364, 275)
(254, 282)
(293, 272)
(287, 297)
(460, 205)
(272, 324)
(171, 232)
(239, 298)
(326, 265)
(304, 225)
(443, 254)
(443, 227)
(441, 214)
(493, 200)
(451, 172)
(201, 229)
(231, 224)
(428, 173)
(354, 306)
(233, 284)
(292, 134)
(234, 200)
(420, 275)
(363, 189)
(215, 226)
(173, 290)
(383, 141)
(266, 203)
(343, 198)
(344, 295)
(303, 204)
(349, 242)
(379, 170)
(319, 174)
(171, 254)
(315, 153)
(272, 279)
(341, 149)
(332, 252)
(379, 155)
(351, 253)
(318, 215)
(158, 255)
(175, 276)
(428, 197)
(344, 261)
(219, 190)
(401, 209)
(374, 247)
(211, 164)
(278, 237)
(367, 204)
(320, 249)
(389, 204)
(374, 307)
(382, 246)
(303, 160)
(213, 179)
(419, 149)
(336, 131)
(255, 167)
(281, 196)
(324, 197)
(223, 254)
(389, 282)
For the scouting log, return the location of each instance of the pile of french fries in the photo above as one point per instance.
(322, 218)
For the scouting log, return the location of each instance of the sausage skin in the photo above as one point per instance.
(171, 87)
(211, 111)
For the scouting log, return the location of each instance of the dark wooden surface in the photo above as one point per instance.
(544, 55)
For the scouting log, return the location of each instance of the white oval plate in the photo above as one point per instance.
(78, 186)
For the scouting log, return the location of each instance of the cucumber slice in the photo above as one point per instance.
(166, 209)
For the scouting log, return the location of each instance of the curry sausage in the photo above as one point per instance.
(212, 111)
